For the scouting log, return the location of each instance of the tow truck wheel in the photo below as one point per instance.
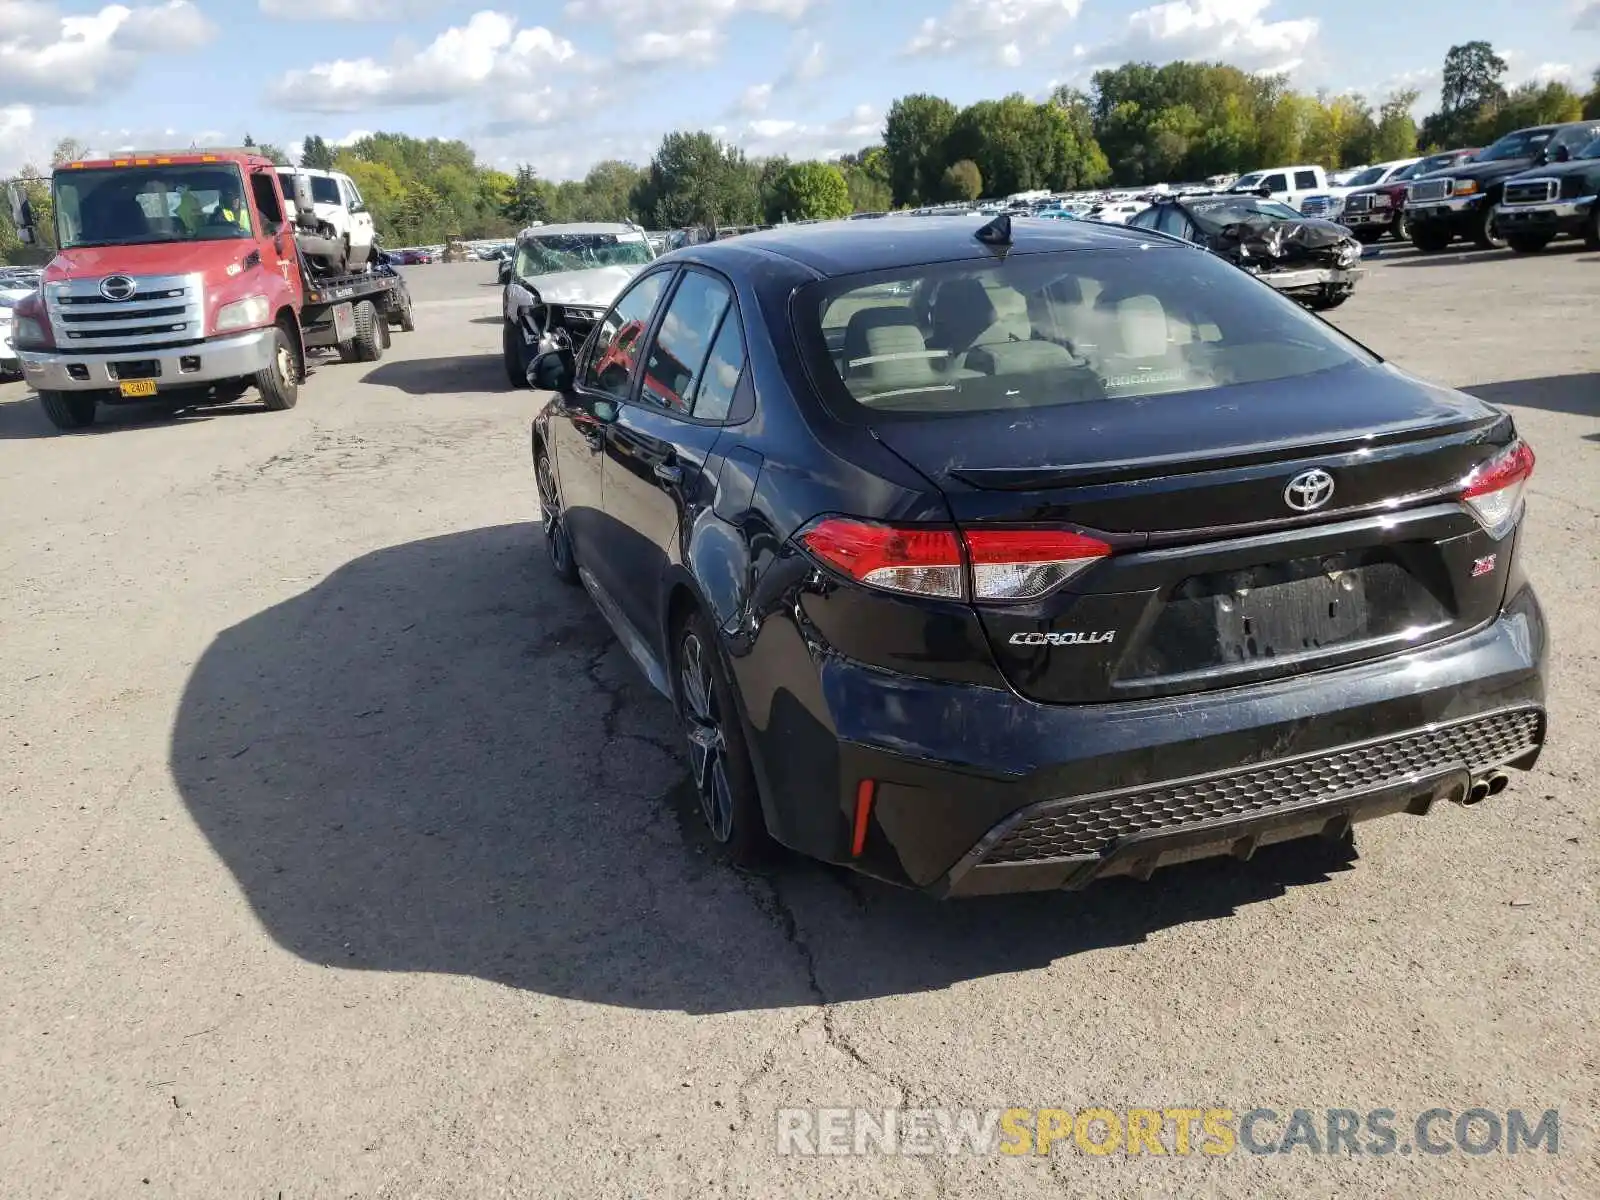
(279, 381)
(368, 343)
(68, 410)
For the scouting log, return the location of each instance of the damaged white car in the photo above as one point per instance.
(564, 277)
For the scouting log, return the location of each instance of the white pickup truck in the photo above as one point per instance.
(1287, 185)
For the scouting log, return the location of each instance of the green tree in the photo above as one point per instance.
(608, 190)
(1396, 135)
(1528, 104)
(811, 191)
(914, 136)
(963, 181)
(316, 153)
(526, 202)
(694, 179)
(68, 150)
(1472, 74)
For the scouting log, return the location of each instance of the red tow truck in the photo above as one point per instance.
(179, 277)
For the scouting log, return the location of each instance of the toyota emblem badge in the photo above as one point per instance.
(1309, 490)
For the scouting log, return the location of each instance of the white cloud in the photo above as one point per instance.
(673, 14)
(997, 27)
(1230, 31)
(1550, 73)
(1588, 16)
(799, 139)
(46, 57)
(489, 51)
(755, 98)
(652, 47)
(18, 139)
(344, 10)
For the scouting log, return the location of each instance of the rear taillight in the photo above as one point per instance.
(1007, 564)
(921, 562)
(1023, 564)
(1494, 489)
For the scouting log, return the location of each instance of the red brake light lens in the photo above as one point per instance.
(919, 562)
(1494, 490)
(1023, 564)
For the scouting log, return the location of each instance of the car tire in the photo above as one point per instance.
(1527, 243)
(368, 342)
(279, 381)
(1367, 236)
(515, 358)
(1430, 241)
(1591, 229)
(557, 543)
(1484, 234)
(1401, 228)
(69, 410)
(720, 770)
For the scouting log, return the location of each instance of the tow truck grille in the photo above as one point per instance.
(1090, 826)
(163, 311)
(1534, 191)
(1430, 190)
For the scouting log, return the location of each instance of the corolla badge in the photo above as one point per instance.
(1063, 639)
(118, 287)
(1309, 490)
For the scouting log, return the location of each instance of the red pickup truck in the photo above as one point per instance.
(179, 276)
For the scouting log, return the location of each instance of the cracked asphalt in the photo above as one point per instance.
(344, 853)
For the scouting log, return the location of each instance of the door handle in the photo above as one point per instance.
(669, 473)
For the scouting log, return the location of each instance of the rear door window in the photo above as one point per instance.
(1039, 330)
(1303, 179)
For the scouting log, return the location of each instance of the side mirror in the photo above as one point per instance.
(552, 371)
(22, 215)
(606, 411)
(305, 208)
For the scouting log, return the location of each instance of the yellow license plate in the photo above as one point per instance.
(137, 387)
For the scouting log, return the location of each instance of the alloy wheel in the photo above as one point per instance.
(550, 515)
(708, 746)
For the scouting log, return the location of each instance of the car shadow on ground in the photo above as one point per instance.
(22, 419)
(439, 759)
(1578, 394)
(1465, 252)
(431, 376)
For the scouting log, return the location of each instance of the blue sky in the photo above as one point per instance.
(563, 83)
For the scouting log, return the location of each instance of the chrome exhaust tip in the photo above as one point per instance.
(1477, 792)
(1498, 781)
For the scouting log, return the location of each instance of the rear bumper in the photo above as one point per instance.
(197, 365)
(979, 790)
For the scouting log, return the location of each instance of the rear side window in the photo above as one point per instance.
(1037, 330)
(1303, 179)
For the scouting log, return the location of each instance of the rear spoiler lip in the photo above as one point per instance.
(1493, 430)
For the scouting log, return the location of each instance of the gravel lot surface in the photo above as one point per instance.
(344, 853)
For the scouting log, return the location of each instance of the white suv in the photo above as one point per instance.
(338, 205)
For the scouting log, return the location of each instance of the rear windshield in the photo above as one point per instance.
(1035, 330)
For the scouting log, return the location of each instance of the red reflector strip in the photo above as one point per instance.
(1032, 545)
(866, 790)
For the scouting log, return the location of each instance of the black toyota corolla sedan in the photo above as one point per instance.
(1004, 557)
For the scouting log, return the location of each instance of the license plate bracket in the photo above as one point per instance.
(133, 389)
(1291, 617)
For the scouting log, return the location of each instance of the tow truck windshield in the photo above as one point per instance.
(127, 205)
